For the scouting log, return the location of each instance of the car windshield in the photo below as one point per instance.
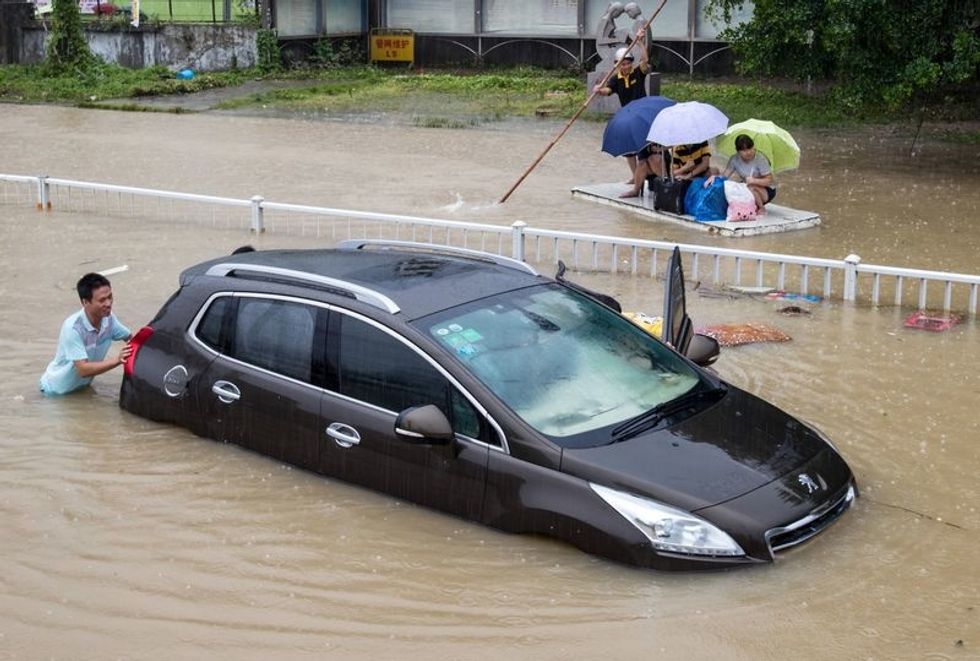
(565, 364)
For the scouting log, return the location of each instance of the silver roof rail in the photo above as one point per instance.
(360, 293)
(357, 244)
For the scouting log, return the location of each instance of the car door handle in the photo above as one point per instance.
(226, 391)
(343, 435)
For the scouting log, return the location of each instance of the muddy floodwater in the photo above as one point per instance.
(122, 538)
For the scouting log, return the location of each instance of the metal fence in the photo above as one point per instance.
(848, 279)
(176, 11)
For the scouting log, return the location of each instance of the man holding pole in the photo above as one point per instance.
(629, 83)
(640, 90)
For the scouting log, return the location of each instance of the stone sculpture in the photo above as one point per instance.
(609, 38)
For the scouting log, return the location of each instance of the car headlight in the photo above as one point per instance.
(670, 529)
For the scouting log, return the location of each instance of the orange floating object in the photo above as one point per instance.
(729, 335)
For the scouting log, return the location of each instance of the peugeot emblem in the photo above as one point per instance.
(807, 482)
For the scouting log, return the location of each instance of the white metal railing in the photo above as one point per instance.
(848, 278)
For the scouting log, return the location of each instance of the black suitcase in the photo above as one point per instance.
(668, 194)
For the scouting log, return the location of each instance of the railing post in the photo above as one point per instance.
(257, 215)
(517, 239)
(850, 277)
(43, 194)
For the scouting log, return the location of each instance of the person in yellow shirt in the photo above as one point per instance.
(690, 161)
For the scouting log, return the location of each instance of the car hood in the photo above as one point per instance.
(723, 451)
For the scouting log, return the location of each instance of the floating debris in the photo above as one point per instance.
(708, 292)
(114, 270)
(932, 321)
(751, 291)
(793, 310)
(791, 296)
(732, 291)
(652, 325)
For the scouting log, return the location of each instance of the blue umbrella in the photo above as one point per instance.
(626, 132)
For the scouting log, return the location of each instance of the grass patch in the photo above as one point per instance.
(430, 99)
(959, 137)
(456, 99)
(33, 84)
(472, 98)
(443, 123)
(744, 100)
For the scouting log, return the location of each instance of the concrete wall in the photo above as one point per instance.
(13, 15)
(201, 47)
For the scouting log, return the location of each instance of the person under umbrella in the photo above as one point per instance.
(690, 161)
(687, 127)
(651, 161)
(775, 143)
(626, 135)
(753, 168)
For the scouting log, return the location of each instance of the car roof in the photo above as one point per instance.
(418, 281)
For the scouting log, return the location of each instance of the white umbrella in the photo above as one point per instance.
(687, 123)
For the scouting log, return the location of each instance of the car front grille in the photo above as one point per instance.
(798, 532)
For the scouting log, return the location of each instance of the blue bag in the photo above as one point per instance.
(706, 204)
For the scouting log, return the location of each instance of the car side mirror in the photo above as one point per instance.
(703, 350)
(424, 425)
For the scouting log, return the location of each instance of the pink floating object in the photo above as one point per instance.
(931, 321)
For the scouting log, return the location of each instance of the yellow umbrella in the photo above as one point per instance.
(776, 143)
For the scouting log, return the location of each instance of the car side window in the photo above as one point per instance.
(209, 328)
(276, 335)
(375, 367)
(465, 419)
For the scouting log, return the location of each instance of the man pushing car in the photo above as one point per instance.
(85, 339)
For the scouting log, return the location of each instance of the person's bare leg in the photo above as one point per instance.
(631, 161)
(639, 176)
(656, 165)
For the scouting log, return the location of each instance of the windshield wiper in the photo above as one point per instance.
(541, 322)
(653, 417)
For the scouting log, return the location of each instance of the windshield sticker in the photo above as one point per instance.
(456, 340)
(467, 350)
(471, 335)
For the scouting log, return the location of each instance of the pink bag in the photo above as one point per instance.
(741, 202)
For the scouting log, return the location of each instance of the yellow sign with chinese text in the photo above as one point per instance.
(392, 45)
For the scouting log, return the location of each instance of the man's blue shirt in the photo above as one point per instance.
(79, 340)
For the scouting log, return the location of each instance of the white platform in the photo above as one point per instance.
(776, 219)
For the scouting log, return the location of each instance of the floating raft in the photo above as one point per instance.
(776, 219)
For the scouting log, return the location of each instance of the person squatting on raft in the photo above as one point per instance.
(85, 338)
(753, 168)
(652, 160)
(690, 161)
(629, 83)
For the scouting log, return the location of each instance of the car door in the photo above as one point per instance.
(378, 374)
(260, 392)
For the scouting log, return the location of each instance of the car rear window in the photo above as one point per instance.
(209, 328)
(275, 335)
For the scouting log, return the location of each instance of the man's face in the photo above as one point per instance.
(100, 305)
(747, 154)
(625, 65)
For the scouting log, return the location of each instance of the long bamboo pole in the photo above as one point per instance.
(585, 105)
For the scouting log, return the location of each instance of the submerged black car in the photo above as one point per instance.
(469, 383)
